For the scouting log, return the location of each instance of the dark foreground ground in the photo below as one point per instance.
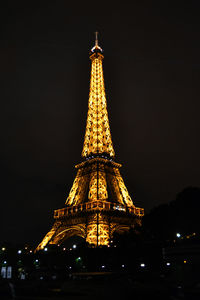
(99, 286)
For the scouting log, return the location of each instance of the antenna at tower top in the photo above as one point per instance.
(96, 47)
(96, 38)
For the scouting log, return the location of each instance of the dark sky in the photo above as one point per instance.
(151, 71)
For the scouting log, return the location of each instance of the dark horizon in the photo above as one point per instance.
(151, 72)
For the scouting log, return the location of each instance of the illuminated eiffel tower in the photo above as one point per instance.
(98, 203)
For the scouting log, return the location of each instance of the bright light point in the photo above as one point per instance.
(168, 264)
(103, 267)
(70, 268)
(70, 249)
(3, 249)
(19, 251)
(123, 266)
(64, 249)
(5, 262)
(46, 249)
(185, 261)
(31, 251)
(36, 260)
(142, 265)
(178, 235)
(74, 246)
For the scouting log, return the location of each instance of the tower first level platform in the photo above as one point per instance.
(97, 206)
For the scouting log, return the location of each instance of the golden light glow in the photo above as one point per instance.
(98, 231)
(78, 189)
(97, 135)
(122, 188)
(98, 203)
(46, 239)
(97, 184)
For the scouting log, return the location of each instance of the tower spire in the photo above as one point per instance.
(98, 139)
(96, 46)
(96, 38)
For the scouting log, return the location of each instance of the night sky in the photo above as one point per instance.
(152, 73)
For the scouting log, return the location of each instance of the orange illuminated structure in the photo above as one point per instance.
(98, 203)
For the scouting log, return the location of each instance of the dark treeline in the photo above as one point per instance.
(180, 215)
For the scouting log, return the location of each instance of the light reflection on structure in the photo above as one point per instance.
(98, 203)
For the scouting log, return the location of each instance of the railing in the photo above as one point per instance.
(97, 205)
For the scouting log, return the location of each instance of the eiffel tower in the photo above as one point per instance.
(98, 203)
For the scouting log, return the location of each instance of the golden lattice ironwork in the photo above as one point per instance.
(97, 135)
(98, 203)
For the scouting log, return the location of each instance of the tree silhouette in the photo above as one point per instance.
(180, 215)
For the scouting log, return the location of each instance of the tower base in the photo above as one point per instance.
(96, 226)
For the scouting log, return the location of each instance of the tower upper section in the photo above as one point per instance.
(97, 135)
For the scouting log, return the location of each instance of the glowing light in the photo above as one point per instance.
(123, 266)
(45, 249)
(102, 228)
(142, 265)
(95, 175)
(19, 251)
(103, 267)
(178, 235)
(78, 259)
(46, 239)
(185, 261)
(120, 208)
(97, 135)
(3, 249)
(168, 264)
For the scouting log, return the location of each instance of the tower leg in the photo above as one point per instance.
(48, 237)
(98, 230)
